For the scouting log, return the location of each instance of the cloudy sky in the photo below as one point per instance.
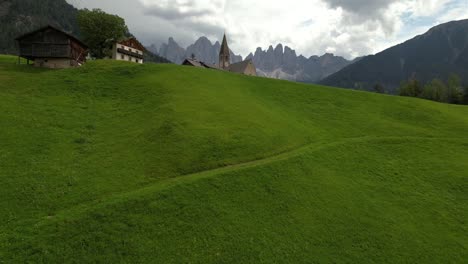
(348, 28)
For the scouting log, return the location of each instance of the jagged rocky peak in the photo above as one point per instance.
(279, 49)
(283, 62)
(276, 62)
(203, 41)
(202, 49)
(288, 52)
(153, 48)
(171, 41)
(258, 52)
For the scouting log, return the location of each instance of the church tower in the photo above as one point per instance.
(224, 55)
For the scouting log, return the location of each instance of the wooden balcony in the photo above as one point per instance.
(130, 53)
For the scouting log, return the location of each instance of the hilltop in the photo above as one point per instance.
(119, 162)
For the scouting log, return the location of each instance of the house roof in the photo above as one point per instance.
(211, 66)
(201, 64)
(132, 42)
(240, 67)
(53, 28)
(193, 62)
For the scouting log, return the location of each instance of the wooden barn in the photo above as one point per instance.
(50, 47)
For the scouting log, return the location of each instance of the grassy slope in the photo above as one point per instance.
(116, 162)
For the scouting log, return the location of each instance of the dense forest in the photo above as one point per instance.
(20, 16)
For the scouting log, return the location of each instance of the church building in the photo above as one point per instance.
(244, 67)
(224, 55)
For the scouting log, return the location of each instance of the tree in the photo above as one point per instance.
(379, 88)
(100, 30)
(428, 92)
(455, 90)
(465, 99)
(405, 89)
(411, 88)
(439, 91)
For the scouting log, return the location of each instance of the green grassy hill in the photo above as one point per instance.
(124, 163)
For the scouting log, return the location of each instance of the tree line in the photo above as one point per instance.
(451, 91)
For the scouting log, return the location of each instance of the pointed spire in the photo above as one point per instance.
(224, 54)
(224, 45)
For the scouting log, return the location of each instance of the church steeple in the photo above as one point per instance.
(224, 54)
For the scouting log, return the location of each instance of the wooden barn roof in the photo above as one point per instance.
(53, 28)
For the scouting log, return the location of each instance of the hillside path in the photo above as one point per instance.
(189, 178)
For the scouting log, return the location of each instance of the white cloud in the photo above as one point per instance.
(312, 27)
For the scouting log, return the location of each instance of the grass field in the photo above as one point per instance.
(124, 163)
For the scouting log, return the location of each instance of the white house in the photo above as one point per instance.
(128, 50)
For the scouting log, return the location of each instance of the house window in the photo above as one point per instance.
(122, 56)
(137, 60)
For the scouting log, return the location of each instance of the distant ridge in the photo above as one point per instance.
(202, 49)
(436, 54)
(284, 63)
(278, 63)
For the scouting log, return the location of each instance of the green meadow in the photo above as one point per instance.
(123, 163)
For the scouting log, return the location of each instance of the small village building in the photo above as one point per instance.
(50, 47)
(128, 50)
(246, 67)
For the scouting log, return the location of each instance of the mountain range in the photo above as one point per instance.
(284, 63)
(441, 51)
(202, 49)
(279, 62)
